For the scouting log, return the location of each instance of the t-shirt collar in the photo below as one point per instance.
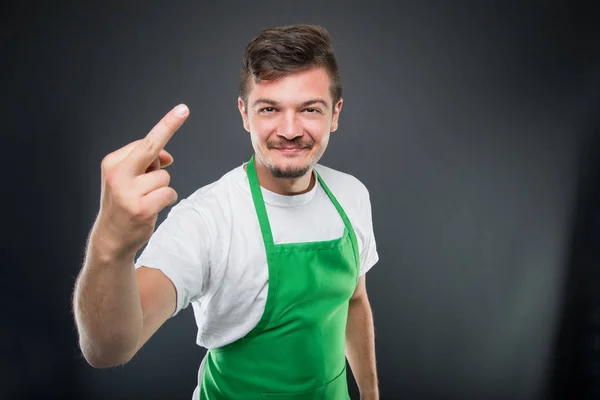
(281, 200)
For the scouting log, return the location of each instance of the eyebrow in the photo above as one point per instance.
(305, 104)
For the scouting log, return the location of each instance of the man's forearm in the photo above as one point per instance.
(360, 347)
(107, 307)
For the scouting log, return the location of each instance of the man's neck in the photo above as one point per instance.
(286, 187)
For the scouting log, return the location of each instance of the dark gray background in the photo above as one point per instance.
(471, 123)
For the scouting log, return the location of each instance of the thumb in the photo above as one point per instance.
(165, 158)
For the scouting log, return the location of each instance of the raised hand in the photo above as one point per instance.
(135, 188)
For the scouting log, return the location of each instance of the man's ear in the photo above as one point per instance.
(336, 115)
(243, 113)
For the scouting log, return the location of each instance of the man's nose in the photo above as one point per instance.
(289, 127)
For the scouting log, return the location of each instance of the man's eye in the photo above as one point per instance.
(311, 110)
(267, 109)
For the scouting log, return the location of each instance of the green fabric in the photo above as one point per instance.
(296, 351)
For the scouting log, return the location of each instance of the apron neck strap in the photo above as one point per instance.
(259, 205)
(261, 210)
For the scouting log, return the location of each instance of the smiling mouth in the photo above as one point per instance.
(291, 149)
(290, 145)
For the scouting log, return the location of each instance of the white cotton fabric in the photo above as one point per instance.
(211, 247)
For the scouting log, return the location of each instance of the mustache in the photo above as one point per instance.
(297, 143)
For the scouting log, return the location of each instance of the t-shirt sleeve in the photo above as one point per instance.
(368, 252)
(180, 249)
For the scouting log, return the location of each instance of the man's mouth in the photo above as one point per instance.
(290, 149)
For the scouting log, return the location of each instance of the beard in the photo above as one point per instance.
(293, 172)
(288, 173)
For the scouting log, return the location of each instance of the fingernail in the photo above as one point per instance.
(181, 110)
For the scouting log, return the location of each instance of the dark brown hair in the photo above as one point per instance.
(277, 52)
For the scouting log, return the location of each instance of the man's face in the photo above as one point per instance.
(290, 120)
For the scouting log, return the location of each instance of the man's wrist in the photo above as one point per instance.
(102, 250)
(372, 394)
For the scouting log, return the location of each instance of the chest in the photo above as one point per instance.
(241, 260)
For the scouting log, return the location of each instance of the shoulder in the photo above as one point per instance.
(350, 192)
(353, 196)
(212, 199)
(342, 183)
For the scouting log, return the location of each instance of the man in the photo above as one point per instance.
(272, 256)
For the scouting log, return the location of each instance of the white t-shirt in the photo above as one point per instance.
(211, 247)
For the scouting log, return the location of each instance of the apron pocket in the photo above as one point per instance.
(336, 389)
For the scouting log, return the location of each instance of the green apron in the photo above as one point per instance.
(296, 351)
